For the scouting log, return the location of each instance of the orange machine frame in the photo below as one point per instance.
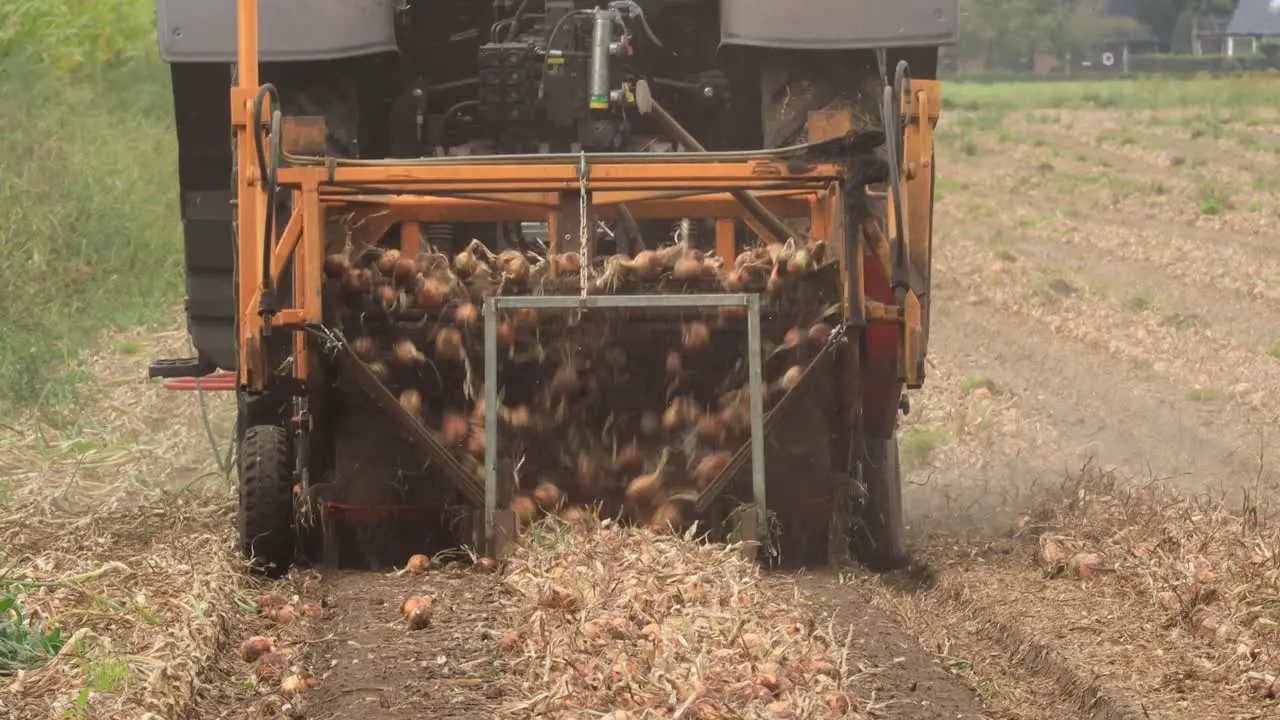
(400, 191)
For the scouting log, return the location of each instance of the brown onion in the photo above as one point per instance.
(514, 265)
(520, 417)
(696, 336)
(643, 488)
(710, 467)
(406, 353)
(710, 430)
(466, 315)
(735, 281)
(524, 508)
(404, 270)
(506, 335)
(336, 265)
(364, 348)
(526, 319)
(387, 262)
(791, 378)
(646, 264)
(386, 297)
(430, 294)
(666, 518)
(380, 370)
(819, 334)
(547, 496)
(569, 263)
(629, 458)
(687, 268)
(464, 263)
(255, 647)
(449, 343)
(411, 400)
(476, 443)
(454, 429)
(674, 364)
(417, 564)
(792, 339)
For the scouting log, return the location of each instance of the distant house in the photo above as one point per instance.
(1253, 22)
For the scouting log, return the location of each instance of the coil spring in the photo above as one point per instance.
(442, 235)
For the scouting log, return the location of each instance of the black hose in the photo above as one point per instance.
(892, 119)
(268, 178)
(448, 114)
(515, 20)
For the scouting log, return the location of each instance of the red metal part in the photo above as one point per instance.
(217, 382)
(377, 513)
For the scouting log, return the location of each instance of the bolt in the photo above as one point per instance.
(708, 92)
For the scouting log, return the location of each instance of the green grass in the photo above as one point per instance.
(1209, 94)
(1140, 301)
(23, 644)
(90, 237)
(918, 444)
(1204, 395)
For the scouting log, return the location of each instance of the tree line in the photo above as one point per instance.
(1007, 32)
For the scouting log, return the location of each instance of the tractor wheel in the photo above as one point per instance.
(881, 538)
(265, 517)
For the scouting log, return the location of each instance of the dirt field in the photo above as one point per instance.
(1088, 478)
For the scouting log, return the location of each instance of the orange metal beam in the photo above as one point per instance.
(559, 176)
(427, 209)
(288, 241)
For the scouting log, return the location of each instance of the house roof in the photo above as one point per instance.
(1256, 18)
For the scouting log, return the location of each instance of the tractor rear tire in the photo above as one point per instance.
(265, 516)
(881, 540)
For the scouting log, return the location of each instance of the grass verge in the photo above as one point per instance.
(90, 237)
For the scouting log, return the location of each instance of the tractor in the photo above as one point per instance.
(467, 264)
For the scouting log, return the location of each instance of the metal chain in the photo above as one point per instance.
(582, 223)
